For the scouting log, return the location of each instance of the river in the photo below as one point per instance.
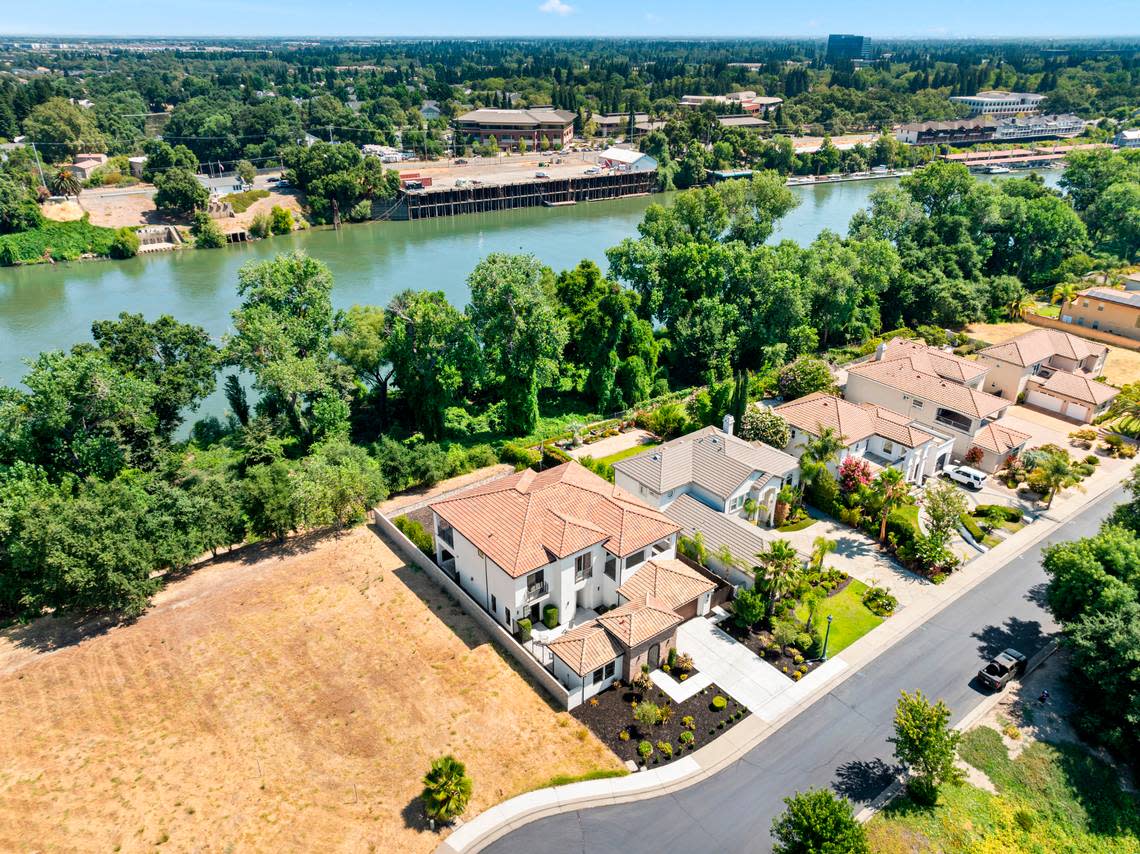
(47, 307)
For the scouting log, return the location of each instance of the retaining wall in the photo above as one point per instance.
(504, 638)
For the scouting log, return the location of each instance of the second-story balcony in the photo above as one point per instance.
(536, 591)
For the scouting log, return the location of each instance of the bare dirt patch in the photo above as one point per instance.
(284, 698)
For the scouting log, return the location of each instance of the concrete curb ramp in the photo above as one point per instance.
(501, 819)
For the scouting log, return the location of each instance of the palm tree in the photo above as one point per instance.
(778, 574)
(1019, 305)
(820, 451)
(64, 183)
(1063, 292)
(821, 547)
(1057, 474)
(892, 487)
(447, 789)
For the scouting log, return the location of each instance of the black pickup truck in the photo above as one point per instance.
(1004, 667)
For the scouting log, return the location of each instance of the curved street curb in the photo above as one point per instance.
(501, 819)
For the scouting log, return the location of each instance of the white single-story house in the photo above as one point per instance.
(717, 468)
(626, 160)
(881, 436)
(223, 185)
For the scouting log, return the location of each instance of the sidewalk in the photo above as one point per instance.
(769, 716)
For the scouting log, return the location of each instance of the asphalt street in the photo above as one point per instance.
(840, 741)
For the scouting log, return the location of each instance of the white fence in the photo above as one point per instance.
(408, 550)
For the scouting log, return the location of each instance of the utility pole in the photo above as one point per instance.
(40, 167)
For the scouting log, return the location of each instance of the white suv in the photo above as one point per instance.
(966, 476)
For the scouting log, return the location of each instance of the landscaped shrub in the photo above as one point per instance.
(974, 456)
(971, 527)
(624, 735)
(644, 750)
(688, 722)
(647, 713)
(666, 749)
(671, 658)
(550, 616)
(415, 532)
(719, 703)
(1092, 460)
(665, 714)
(1011, 514)
(518, 456)
(686, 737)
(804, 376)
(124, 245)
(879, 601)
(525, 627)
(823, 493)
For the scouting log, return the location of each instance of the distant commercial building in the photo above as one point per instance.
(614, 123)
(994, 103)
(954, 132)
(1019, 128)
(509, 127)
(746, 101)
(1127, 138)
(845, 46)
(746, 121)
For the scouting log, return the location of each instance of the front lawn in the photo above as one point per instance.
(628, 452)
(1051, 798)
(851, 619)
(806, 522)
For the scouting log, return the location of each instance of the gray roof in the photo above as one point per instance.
(715, 461)
(537, 116)
(744, 541)
(1131, 298)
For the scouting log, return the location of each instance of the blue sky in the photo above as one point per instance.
(881, 18)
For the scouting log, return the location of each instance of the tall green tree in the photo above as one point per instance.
(515, 316)
(926, 745)
(818, 822)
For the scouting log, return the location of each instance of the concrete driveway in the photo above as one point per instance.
(731, 665)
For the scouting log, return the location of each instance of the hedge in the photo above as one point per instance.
(1011, 514)
(972, 527)
(902, 522)
(550, 616)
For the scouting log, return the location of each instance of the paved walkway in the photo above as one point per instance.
(731, 665)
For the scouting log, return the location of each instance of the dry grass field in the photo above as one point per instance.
(1121, 367)
(282, 700)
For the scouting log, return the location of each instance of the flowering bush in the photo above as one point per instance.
(974, 456)
(853, 473)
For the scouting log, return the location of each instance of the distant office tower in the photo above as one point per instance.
(844, 46)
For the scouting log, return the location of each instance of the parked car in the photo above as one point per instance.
(967, 476)
(460, 162)
(1004, 667)
(541, 174)
(593, 170)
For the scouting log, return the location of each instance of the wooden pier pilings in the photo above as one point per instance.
(452, 201)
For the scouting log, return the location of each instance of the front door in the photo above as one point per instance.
(535, 613)
(654, 656)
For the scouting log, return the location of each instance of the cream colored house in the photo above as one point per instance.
(881, 436)
(1051, 370)
(1106, 309)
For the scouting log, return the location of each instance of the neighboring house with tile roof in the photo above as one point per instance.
(561, 537)
(998, 442)
(879, 435)
(674, 582)
(932, 387)
(715, 467)
(1053, 370)
(1107, 309)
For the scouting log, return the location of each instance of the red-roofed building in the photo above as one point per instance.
(561, 537)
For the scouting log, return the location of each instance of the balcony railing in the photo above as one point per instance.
(583, 574)
(537, 591)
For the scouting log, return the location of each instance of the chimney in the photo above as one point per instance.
(728, 424)
(880, 350)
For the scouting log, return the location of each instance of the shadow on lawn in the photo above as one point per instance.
(861, 780)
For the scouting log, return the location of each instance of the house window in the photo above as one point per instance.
(599, 675)
(660, 546)
(793, 434)
(507, 616)
(610, 670)
(611, 566)
(583, 566)
(953, 419)
(1100, 307)
(494, 605)
(635, 558)
(888, 447)
(445, 534)
(918, 404)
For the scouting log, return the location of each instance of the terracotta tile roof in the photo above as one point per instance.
(1000, 438)
(904, 375)
(638, 620)
(1077, 387)
(1038, 345)
(710, 458)
(672, 581)
(585, 648)
(932, 360)
(896, 426)
(527, 519)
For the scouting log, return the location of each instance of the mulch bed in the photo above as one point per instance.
(613, 714)
(758, 642)
(676, 674)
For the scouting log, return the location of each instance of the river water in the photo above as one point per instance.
(51, 307)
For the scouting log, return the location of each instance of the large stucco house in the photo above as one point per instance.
(934, 388)
(1054, 370)
(718, 469)
(881, 436)
(567, 538)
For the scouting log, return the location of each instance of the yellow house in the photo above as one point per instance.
(1108, 309)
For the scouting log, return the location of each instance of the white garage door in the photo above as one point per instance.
(1077, 411)
(1045, 401)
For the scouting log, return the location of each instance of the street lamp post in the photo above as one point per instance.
(827, 636)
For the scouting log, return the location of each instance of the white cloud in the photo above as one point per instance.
(556, 7)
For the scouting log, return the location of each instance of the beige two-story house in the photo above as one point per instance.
(1107, 309)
